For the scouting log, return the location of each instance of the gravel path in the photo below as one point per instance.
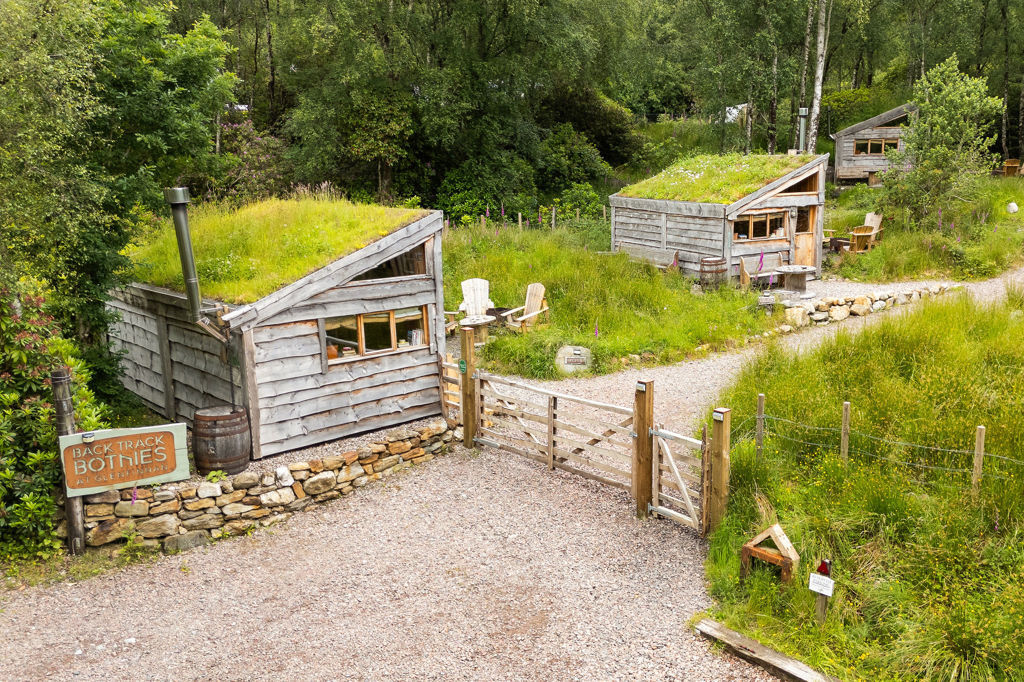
(476, 566)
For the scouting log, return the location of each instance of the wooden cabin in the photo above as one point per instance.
(860, 148)
(351, 346)
(729, 207)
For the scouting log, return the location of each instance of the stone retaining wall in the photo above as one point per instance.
(822, 311)
(179, 517)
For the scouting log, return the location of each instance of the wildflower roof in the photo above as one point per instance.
(245, 254)
(716, 179)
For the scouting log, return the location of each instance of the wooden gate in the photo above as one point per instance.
(581, 436)
(680, 481)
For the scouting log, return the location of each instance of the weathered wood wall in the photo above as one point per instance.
(169, 363)
(661, 230)
(856, 167)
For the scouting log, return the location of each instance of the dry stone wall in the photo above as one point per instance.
(177, 517)
(823, 311)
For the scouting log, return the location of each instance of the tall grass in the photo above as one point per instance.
(975, 240)
(930, 585)
(246, 253)
(608, 303)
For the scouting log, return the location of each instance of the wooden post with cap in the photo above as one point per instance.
(467, 367)
(74, 510)
(643, 446)
(720, 434)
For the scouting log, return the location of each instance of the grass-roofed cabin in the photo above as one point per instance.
(731, 206)
(334, 312)
(860, 148)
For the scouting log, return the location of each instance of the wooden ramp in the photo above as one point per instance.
(778, 664)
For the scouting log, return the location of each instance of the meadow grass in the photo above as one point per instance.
(976, 240)
(606, 302)
(712, 178)
(930, 584)
(246, 253)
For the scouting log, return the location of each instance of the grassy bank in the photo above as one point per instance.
(614, 306)
(975, 241)
(930, 585)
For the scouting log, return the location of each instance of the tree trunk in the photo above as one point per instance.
(803, 69)
(1006, 78)
(1020, 122)
(819, 75)
(773, 104)
(750, 120)
(271, 83)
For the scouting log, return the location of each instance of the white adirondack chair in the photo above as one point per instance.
(525, 316)
(475, 301)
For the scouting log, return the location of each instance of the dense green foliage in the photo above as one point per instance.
(99, 106)
(945, 150)
(929, 584)
(608, 303)
(30, 347)
(966, 240)
(246, 253)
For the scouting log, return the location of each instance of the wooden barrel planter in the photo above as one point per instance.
(713, 271)
(221, 439)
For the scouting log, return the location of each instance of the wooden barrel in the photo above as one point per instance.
(713, 271)
(221, 440)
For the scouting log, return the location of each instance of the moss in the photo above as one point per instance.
(245, 254)
(715, 179)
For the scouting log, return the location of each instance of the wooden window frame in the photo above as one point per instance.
(883, 141)
(768, 221)
(362, 353)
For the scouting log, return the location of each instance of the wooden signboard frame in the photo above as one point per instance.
(785, 557)
(112, 459)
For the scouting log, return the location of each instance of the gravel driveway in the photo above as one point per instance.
(475, 566)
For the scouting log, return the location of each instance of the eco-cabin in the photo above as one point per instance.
(333, 313)
(860, 148)
(728, 207)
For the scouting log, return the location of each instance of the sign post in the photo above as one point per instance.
(821, 583)
(74, 511)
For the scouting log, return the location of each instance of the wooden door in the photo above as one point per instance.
(805, 237)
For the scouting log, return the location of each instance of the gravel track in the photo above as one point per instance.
(476, 566)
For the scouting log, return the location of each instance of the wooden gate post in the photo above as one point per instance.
(74, 510)
(720, 427)
(467, 367)
(844, 435)
(643, 446)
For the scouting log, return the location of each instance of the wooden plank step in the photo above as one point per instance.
(755, 652)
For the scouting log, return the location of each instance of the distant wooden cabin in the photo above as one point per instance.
(860, 148)
(729, 207)
(350, 347)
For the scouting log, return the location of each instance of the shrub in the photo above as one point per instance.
(487, 184)
(568, 157)
(582, 197)
(30, 347)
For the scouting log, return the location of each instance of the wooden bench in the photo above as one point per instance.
(660, 258)
(754, 271)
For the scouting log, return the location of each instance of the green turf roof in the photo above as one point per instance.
(245, 254)
(715, 179)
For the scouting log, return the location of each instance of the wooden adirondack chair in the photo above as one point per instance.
(524, 317)
(865, 237)
(475, 301)
(749, 274)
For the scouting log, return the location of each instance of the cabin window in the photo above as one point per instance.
(354, 336)
(759, 226)
(412, 262)
(876, 147)
(803, 221)
(805, 186)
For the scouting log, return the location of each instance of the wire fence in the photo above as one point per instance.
(892, 451)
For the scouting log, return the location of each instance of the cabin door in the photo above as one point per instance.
(804, 237)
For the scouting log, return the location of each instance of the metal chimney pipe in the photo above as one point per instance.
(178, 198)
(803, 129)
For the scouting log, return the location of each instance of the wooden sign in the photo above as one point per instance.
(122, 458)
(821, 584)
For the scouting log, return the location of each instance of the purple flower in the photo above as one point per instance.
(596, 333)
(503, 209)
(487, 212)
(760, 262)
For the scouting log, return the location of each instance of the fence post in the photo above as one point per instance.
(467, 366)
(759, 434)
(520, 216)
(604, 212)
(552, 217)
(577, 214)
(483, 221)
(844, 437)
(705, 482)
(643, 420)
(551, 431)
(720, 426)
(979, 462)
(74, 510)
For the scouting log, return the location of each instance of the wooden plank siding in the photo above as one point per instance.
(691, 237)
(294, 396)
(850, 166)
